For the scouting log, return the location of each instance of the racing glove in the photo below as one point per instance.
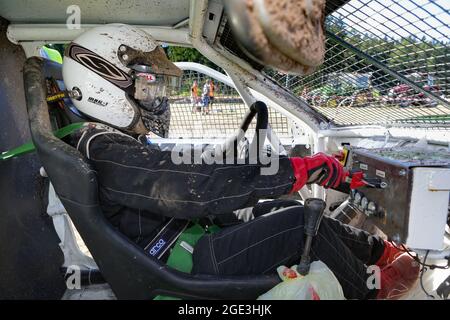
(321, 169)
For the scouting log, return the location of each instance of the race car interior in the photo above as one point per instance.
(396, 144)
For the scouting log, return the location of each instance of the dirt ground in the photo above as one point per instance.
(224, 118)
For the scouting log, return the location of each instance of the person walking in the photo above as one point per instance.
(194, 96)
(211, 94)
(205, 98)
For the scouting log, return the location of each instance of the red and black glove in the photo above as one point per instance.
(321, 169)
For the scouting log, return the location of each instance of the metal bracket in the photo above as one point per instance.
(212, 21)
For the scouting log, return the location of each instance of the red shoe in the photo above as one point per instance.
(398, 277)
(390, 253)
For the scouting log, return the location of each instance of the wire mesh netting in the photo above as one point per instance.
(387, 61)
(193, 116)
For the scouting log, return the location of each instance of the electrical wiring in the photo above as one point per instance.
(422, 272)
(424, 266)
(417, 259)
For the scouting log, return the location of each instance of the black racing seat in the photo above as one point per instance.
(128, 270)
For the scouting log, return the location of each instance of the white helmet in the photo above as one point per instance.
(121, 75)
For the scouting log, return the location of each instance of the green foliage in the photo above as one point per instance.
(177, 54)
(404, 55)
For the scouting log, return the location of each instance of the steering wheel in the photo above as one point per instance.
(258, 108)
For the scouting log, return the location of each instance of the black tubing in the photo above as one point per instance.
(87, 277)
(259, 109)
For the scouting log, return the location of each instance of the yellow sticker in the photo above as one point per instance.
(343, 161)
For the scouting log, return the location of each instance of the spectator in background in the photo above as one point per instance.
(205, 97)
(430, 80)
(211, 93)
(194, 96)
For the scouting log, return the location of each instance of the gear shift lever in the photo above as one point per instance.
(314, 209)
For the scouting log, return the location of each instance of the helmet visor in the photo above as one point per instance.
(149, 86)
(154, 75)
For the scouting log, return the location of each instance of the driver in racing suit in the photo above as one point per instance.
(142, 191)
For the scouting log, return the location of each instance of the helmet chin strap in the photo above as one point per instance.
(156, 116)
(158, 106)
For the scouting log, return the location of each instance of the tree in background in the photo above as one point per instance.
(178, 54)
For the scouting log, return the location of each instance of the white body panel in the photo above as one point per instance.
(429, 208)
(140, 12)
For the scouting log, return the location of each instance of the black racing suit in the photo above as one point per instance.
(141, 189)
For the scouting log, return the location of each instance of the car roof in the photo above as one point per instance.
(139, 12)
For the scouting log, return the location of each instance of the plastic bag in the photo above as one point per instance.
(319, 284)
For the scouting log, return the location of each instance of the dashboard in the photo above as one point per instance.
(408, 192)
